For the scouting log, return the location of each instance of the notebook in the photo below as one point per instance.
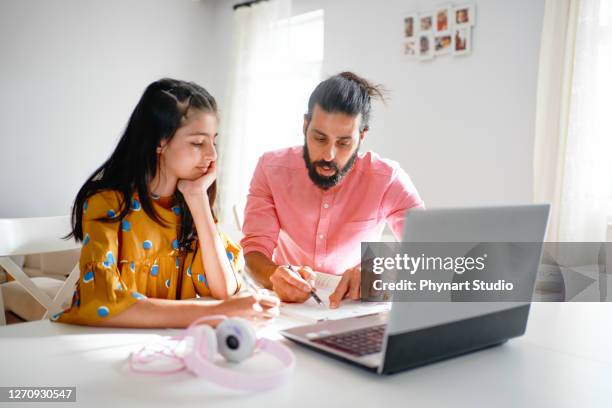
(311, 312)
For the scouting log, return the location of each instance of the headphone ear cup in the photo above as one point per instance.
(236, 339)
(205, 341)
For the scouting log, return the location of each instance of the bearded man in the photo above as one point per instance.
(309, 207)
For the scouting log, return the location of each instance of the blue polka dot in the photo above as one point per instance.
(125, 225)
(176, 210)
(78, 302)
(110, 258)
(154, 270)
(86, 240)
(119, 287)
(88, 277)
(111, 214)
(56, 316)
(132, 266)
(189, 271)
(147, 244)
(85, 205)
(103, 311)
(138, 296)
(202, 278)
(135, 205)
(176, 262)
(230, 256)
(175, 244)
(167, 283)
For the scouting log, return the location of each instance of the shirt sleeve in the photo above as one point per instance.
(400, 197)
(195, 266)
(261, 225)
(100, 292)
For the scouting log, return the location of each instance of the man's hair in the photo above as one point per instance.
(346, 93)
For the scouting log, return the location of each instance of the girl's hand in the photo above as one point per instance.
(199, 186)
(258, 307)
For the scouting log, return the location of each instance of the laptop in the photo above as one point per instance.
(413, 334)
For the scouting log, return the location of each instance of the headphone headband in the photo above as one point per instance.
(202, 365)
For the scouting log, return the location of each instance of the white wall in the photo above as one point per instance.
(463, 127)
(71, 71)
(221, 50)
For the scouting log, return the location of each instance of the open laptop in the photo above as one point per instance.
(417, 333)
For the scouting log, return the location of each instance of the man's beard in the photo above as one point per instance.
(325, 182)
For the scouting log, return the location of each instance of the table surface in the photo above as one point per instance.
(563, 360)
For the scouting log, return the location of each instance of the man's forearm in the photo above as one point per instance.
(260, 267)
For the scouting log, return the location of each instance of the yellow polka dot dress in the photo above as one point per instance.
(130, 259)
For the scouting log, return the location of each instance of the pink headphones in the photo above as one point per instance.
(234, 339)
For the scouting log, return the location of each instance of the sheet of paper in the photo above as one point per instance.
(311, 311)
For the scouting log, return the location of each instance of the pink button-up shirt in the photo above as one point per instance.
(292, 221)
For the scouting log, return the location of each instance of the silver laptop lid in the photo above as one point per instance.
(521, 223)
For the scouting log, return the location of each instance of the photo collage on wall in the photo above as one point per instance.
(445, 30)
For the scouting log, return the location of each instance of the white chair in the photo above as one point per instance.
(238, 212)
(23, 236)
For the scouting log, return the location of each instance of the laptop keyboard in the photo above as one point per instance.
(357, 342)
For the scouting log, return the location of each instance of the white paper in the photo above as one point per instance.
(311, 311)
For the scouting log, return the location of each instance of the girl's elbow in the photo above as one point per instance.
(222, 294)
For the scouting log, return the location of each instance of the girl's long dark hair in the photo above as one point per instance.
(133, 164)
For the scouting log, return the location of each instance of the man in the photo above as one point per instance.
(311, 206)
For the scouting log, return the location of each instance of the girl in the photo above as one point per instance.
(147, 226)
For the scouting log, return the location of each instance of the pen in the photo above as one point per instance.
(313, 293)
(251, 285)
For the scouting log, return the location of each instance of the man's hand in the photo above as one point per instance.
(289, 287)
(349, 286)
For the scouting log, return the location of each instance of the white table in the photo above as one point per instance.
(564, 360)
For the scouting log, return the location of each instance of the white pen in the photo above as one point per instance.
(251, 285)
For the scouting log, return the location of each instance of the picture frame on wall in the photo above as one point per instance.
(443, 19)
(443, 43)
(425, 45)
(462, 40)
(447, 29)
(464, 15)
(409, 48)
(426, 22)
(410, 25)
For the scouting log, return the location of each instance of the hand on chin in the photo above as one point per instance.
(200, 183)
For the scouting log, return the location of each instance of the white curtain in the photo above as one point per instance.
(573, 148)
(256, 55)
(277, 61)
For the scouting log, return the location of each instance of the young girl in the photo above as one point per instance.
(147, 226)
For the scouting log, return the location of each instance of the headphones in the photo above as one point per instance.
(234, 339)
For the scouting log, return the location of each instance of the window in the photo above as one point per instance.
(277, 64)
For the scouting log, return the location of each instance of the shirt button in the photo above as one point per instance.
(321, 236)
(325, 205)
